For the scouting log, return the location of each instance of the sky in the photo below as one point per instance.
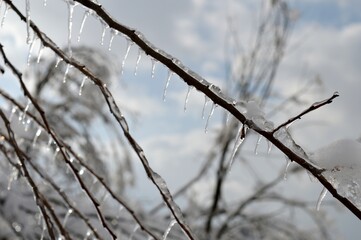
(325, 42)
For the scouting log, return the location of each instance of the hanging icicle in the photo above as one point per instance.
(27, 13)
(154, 62)
(45, 2)
(70, 211)
(257, 144)
(66, 72)
(86, 14)
(71, 5)
(169, 76)
(239, 140)
(58, 60)
(113, 33)
(206, 100)
(134, 231)
(31, 49)
(22, 116)
(82, 85)
(13, 111)
(37, 134)
(27, 124)
(129, 45)
(321, 197)
(140, 52)
(13, 176)
(41, 48)
(167, 231)
(286, 169)
(7, 7)
(187, 97)
(214, 105)
(105, 27)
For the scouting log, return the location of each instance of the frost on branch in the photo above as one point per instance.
(342, 163)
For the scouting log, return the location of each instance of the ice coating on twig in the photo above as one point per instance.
(342, 163)
(285, 137)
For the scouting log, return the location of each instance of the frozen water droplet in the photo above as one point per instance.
(154, 62)
(113, 33)
(37, 134)
(86, 14)
(169, 76)
(105, 27)
(27, 124)
(5, 14)
(50, 141)
(320, 198)
(70, 211)
(13, 111)
(140, 51)
(82, 85)
(66, 72)
(209, 117)
(286, 169)
(41, 48)
(257, 144)
(129, 45)
(187, 97)
(237, 143)
(88, 234)
(167, 231)
(31, 49)
(13, 176)
(81, 171)
(206, 100)
(22, 116)
(27, 9)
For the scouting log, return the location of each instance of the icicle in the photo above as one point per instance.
(209, 117)
(129, 45)
(105, 27)
(228, 114)
(269, 147)
(238, 142)
(102, 200)
(13, 176)
(50, 141)
(31, 49)
(43, 232)
(82, 85)
(320, 198)
(27, 9)
(187, 97)
(13, 111)
(140, 51)
(119, 211)
(86, 14)
(71, 5)
(134, 231)
(169, 76)
(41, 48)
(66, 72)
(171, 224)
(154, 62)
(70, 211)
(22, 116)
(5, 14)
(57, 149)
(58, 61)
(257, 144)
(37, 134)
(286, 169)
(113, 33)
(45, 2)
(206, 100)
